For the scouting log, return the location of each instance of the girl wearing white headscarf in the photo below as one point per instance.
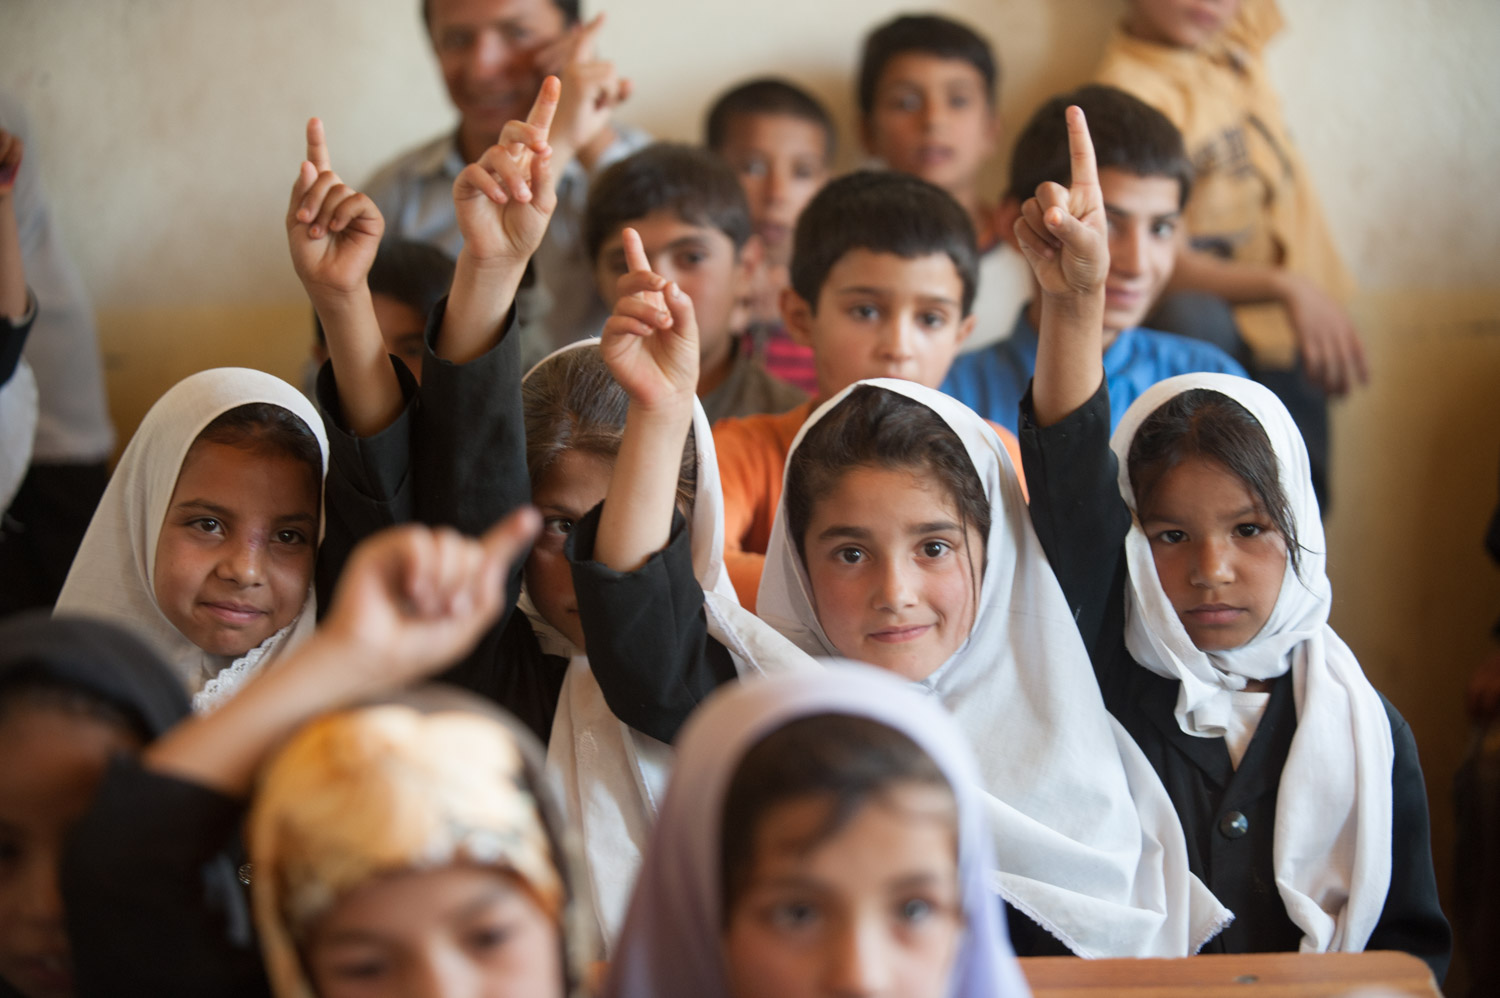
(116, 575)
(1087, 843)
(674, 938)
(1298, 785)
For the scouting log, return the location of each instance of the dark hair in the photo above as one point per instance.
(848, 760)
(767, 96)
(883, 212)
(1202, 423)
(1129, 135)
(415, 274)
(265, 427)
(694, 184)
(572, 403)
(876, 428)
(569, 8)
(32, 693)
(928, 34)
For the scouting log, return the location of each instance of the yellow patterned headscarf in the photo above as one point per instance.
(388, 788)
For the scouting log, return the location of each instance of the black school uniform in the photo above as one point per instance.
(1228, 814)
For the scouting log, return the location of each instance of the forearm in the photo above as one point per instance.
(475, 320)
(1069, 356)
(1237, 283)
(637, 518)
(12, 269)
(370, 395)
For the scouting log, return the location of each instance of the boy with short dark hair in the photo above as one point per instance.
(927, 99)
(780, 142)
(883, 278)
(695, 226)
(1145, 178)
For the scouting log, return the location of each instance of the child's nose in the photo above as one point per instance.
(1215, 564)
(896, 588)
(243, 562)
(857, 962)
(488, 55)
(1126, 251)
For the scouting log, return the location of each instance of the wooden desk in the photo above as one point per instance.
(1245, 975)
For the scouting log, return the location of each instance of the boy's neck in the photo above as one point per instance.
(1034, 317)
(713, 370)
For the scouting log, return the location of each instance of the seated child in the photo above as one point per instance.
(73, 693)
(1257, 233)
(207, 538)
(1145, 178)
(780, 141)
(406, 280)
(360, 825)
(806, 809)
(692, 216)
(883, 280)
(927, 104)
(18, 391)
(1192, 557)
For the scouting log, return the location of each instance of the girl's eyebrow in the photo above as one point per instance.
(190, 505)
(840, 530)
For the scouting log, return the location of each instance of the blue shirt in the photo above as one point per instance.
(991, 381)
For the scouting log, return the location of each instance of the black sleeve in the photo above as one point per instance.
(1411, 920)
(152, 903)
(13, 339)
(646, 631)
(368, 487)
(1078, 512)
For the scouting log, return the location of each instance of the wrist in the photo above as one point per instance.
(336, 303)
(672, 411)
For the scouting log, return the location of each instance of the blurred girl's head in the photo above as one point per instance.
(575, 417)
(890, 521)
(72, 694)
(399, 849)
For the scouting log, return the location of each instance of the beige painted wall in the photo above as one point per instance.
(171, 131)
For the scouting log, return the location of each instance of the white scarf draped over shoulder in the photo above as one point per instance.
(1332, 853)
(613, 777)
(112, 575)
(1087, 842)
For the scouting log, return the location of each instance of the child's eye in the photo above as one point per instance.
(456, 40)
(908, 103)
(936, 549)
(1164, 230)
(559, 525)
(912, 910)
(359, 970)
(1172, 536)
(959, 101)
(792, 915)
(864, 313)
(207, 524)
(804, 171)
(849, 556)
(754, 168)
(933, 320)
(489, 937)
(290, 536)
(1249, 529)
(689, 259)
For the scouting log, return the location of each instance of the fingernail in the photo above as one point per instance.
(315, 231)
(674, 291)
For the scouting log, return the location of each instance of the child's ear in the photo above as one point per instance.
(319, 352)
(1006, 213)
(752, 257)
(965, 328)
(797, 316)
(867, 134)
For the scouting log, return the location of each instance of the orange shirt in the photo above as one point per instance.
(752, 462)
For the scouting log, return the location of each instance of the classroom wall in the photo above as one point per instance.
(171, 131)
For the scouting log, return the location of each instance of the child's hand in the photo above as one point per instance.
(505, 199)
(413, 599)
(1333, 355)
(11, 149)
(590, 86)
(651, 340)
(333, 229)
(1062, 231)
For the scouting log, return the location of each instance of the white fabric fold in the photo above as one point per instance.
(1087, 842)
(1332, 852)
(112, 575)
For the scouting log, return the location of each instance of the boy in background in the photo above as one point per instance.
(691, 214)
(1145, 177)
(780, 142)
(883, 277)
(927, 99)
(1257, 234)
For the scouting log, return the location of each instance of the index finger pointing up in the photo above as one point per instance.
(546, 104)
(317, 146)
(1081, 149)
(635, 251)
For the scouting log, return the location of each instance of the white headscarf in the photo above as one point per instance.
(613, 776)
(672, 945)
(1332, 853)
(112, 575)
(1087, 841)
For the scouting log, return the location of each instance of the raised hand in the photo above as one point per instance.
(505, 199)
(413, 599)
(11, 150)
(1062, 230)
(591, 88)
(650, 342)
(332, 229)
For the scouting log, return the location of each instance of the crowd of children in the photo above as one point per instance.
(787, 647)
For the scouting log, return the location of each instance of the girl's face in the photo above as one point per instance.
(235, 557)
(575, 483)
(1219, 556)
(894, 570)
(457, 932)
(53, 762)
(874, 909)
